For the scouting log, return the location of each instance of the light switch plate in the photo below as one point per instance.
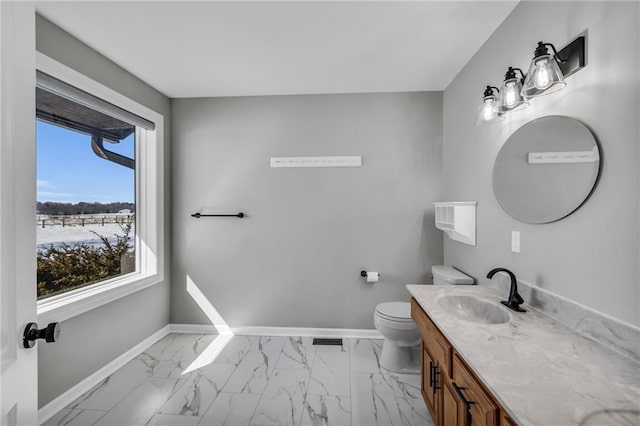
(515, 241)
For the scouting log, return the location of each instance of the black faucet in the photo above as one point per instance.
(515, 300)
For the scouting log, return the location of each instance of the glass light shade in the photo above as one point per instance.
(488, 111)
(544, 77)
(510, 98)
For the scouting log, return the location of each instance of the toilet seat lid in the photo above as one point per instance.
(396, 311)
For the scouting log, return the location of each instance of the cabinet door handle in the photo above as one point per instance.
(467, 403)
(435, 378)
(430, 374)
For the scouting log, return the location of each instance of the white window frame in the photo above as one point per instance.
(149, 206)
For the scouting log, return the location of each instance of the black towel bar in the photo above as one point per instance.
(199, 215)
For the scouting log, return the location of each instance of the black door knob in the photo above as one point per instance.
(50, 334)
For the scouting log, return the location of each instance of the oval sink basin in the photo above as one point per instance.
(474, 309)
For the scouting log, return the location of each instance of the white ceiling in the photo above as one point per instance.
(198, 49)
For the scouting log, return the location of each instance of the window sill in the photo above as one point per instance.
(76, 302)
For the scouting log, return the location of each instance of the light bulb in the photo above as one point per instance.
(488, 111)
(511, 94)
(510, 98)
(542, 77)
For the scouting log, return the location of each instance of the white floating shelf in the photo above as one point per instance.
(277, 162)
(592, 156)
(458, 220)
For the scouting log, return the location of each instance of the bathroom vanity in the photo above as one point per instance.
(452, 392)
(483, 364)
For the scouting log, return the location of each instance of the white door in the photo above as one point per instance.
(18, 366)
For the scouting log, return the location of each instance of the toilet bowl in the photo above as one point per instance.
(400, 350)
(401, 346)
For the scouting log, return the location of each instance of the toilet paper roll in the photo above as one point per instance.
(372, 277)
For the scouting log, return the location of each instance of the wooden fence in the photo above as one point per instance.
(84, 219)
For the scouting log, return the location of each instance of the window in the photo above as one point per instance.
(100, 194)
(85, 218)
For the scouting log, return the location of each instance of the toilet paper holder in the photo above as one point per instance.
(363, 274)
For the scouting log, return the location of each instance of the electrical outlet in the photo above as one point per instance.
(515, 241)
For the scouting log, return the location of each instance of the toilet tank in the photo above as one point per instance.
(443, 275)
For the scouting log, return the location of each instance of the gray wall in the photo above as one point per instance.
(592, 256)
(295, 260)
(93, 339)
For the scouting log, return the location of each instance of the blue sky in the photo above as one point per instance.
(69, 172)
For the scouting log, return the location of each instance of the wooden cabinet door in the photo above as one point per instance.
(483, 411)
(439, 348)
(454, 412)
(428, 390)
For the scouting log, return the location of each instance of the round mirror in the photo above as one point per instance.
(546, 169)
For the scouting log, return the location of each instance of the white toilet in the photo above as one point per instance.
(401, 350)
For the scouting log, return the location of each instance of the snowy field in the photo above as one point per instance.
(56, 235)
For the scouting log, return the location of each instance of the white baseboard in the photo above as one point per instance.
(280, 331)
(193, 329)
(307, 332)
(46, 412)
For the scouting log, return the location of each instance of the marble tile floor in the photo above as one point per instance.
(254, 380)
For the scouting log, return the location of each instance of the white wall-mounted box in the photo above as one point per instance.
(458, 220)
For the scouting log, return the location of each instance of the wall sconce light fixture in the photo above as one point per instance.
(547, 72)
(546, 75)
(510, 98)
(489, 111)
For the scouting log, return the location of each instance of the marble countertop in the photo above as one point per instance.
(539, 370)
